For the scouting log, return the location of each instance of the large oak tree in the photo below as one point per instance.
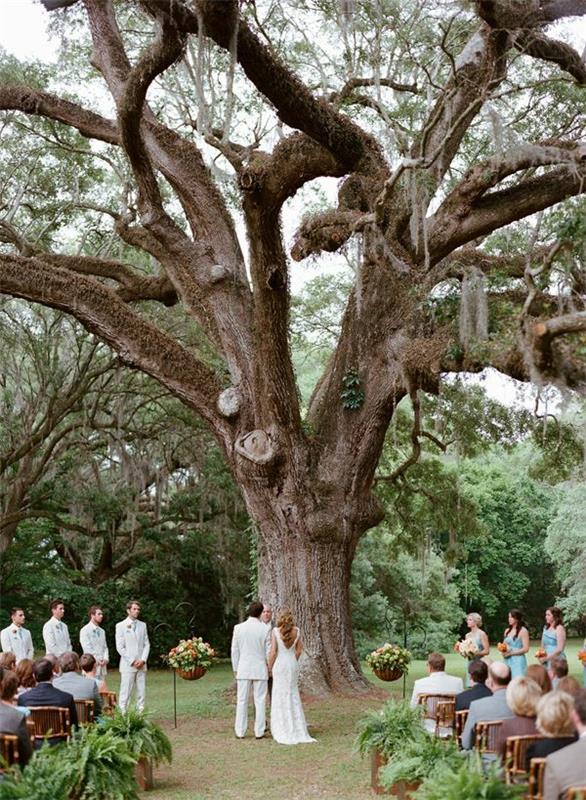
(398, 110)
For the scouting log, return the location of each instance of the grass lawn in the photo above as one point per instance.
(209, 762)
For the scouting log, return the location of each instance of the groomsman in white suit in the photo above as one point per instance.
(93, 640)
(132, 643)
(55, 632)
(249, 661)
(16, 639)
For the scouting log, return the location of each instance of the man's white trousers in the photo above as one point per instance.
(259, 689)
(128, 682)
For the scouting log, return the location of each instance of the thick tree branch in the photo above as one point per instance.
(136, 340)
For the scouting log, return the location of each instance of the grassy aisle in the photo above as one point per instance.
(209, 762)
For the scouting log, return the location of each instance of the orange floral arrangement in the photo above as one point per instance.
(502, 647)
(541, 653)
(582, 656)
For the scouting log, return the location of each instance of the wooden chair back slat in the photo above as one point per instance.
(461, 717)
(430, 703)
(536, 771)
(576, 793)
(8, 750)
(51, 722)
(85, 711)
(108, 702)
(487, 735)
(30, 726)
(445, 716)
(516, 757)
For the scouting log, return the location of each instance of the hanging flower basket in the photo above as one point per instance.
(389, 662)
(191, 658)
(388, 674)
(192, 674)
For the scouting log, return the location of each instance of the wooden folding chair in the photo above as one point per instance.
(516, 757)
(445, 717)
(30, 727)
(108, 702)
(536, 772)
(8, 750)
(576, 793)
(51, 723)
(486, 735)
(460, 724)
(85, 711)
(429, 702)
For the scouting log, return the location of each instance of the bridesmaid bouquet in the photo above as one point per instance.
(467, 649)
(582, 656)
(502, 647)
(541, 653)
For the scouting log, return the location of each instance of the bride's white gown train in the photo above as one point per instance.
(288, 724)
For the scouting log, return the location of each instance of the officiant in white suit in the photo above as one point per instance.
(132, 643)
(250, 643)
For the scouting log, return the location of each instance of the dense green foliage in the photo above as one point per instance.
(467, 782)
(418, 760)
(388, 729)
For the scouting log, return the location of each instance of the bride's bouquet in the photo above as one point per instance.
(467, 649)
(189, 654)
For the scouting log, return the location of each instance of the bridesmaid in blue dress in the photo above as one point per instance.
(553, 639)
(478, 636)
(517, 639)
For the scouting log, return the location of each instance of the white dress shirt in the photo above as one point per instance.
(16, 639)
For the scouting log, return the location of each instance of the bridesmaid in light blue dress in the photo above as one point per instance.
(517, 639)
(553, 639)
(478, 636)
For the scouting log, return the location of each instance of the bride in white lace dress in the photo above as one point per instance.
(288, 724)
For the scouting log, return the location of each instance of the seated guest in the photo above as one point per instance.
(554, 722)
(569, 685)
(437, 682)
(54, 663)
(45, 694)
(8, 694)
(567, 767)
(13, 722)
(491, 708)
(71, 680)
(478, 672)
(24, 673)
(8, 661)
(523, 695)
(558, 669)
(89, 666)
(538, 673)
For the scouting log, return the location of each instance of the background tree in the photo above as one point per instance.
(428, 115)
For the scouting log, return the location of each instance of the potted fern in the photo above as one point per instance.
(146, 742)
(414, 761)
(382, 733)
(90, 765)
(467, 781)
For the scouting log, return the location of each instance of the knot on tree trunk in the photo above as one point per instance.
(229, 402)
(258, 446)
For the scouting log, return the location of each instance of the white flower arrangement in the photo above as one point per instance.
(467, 649)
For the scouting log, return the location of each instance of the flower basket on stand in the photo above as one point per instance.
(388, 674)
(389, 662)
(191, 658)
(192, 674)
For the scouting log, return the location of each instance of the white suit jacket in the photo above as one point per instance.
(56, 637)
(18, 641)
(93, 640)
(250, 643)
(436, 683)
(132, 644)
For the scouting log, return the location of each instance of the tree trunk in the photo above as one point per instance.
(312, 579)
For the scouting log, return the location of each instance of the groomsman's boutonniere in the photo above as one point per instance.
(129, 627)
(15, 631)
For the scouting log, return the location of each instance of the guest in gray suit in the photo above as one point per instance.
(14, 723)
(489, 708)
(71, 680)
(567, 767)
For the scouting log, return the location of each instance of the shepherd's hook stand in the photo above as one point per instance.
(192, 634)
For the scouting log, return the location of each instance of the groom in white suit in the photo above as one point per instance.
(249, 661)
(132, 643)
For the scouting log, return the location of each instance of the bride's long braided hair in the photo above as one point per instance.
(286, 626)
